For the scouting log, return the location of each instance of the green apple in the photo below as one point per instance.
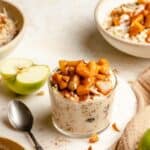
(145, 141)
(22, 76)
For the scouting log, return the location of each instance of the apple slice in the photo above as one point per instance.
(22, 76)
(10, 67)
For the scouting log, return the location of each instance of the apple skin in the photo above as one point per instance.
(23, 88)
(22, 76)
(145, 141)
(12, 76)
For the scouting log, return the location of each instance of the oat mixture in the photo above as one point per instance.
(7, 28)
(130, 22)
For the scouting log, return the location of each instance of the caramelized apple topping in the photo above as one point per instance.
(138, 21)
(79, 77)
(135, 28)
(93, 138)
(115, 128)
(90, 148)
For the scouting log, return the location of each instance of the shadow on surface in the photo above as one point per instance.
(6, 123)
(96, 47)
(5, 92)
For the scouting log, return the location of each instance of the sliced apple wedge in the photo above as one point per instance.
(22, 76)
(10, 67)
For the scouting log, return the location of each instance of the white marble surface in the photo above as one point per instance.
(57, 29)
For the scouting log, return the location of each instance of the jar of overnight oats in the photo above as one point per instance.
(81, 96)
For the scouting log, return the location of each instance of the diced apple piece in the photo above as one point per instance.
(93, 68)
(56, 78)
(61, 80)
(89, 81)
(62, 65)
(73, 63)
(104, 86)
(116, 21)
(101, 76)
(104, 69)
(74, 83)
(143, 1)
(83, 90)
(135, 28)
(117, 12)
(63, 85)
(138, 18)
(103, 61)
(147, 7)
(82, 70)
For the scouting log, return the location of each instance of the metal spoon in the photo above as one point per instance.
(20, 117)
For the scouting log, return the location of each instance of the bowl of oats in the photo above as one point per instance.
(125, 24)
(11, 27)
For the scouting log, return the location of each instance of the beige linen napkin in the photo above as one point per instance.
(141, 88)
(141, 121)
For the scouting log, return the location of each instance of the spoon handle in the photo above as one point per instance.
(37, 145)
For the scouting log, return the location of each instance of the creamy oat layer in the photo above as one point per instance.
(82, 105)
(130, 22)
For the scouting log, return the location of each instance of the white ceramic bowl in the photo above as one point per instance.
(103, 9)
(16, 15)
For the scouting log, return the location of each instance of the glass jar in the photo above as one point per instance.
(81, 118)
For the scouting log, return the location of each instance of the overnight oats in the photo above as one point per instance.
(130, 22)
(81, 96)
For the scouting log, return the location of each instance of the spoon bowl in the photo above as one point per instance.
(20, 117)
